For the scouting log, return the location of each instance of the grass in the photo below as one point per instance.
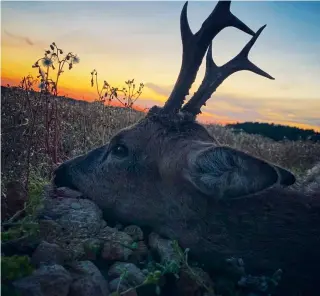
(84, 126)
(16, 228)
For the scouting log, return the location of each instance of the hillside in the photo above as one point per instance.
(276, 132)
(85, 125)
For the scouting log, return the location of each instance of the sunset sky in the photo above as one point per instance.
(141, 40)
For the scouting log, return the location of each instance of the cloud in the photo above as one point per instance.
(19, 38)
(160, 89)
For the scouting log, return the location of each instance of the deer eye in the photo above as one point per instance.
(120, 151)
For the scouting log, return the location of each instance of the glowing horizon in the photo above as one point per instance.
(141, 40)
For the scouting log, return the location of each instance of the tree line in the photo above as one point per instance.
(276, 132)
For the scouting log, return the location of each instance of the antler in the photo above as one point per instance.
(195, 46)
(215, 75)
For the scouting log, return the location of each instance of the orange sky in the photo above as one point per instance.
(89, 94)
(144, 45)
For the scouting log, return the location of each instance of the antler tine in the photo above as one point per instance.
(215, 75)
(195, 46)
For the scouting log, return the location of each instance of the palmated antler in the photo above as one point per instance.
(195, 47)
(215, 75)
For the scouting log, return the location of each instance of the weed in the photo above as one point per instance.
(15, 267)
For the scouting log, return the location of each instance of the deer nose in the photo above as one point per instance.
(62, 177)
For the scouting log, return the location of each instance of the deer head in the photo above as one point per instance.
(168, 173)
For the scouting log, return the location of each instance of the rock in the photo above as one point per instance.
(48, 280)
(48, 254)
(114, 251)
(87, 280)
(163, 247)
(93, 248)
(68, 193)
(135, 232)
(192, 282)
(122, 287)
(140, 252)
(117, 244)
(78, 217)
(133, 275)
(69, 223)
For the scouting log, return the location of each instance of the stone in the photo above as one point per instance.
(193, 280)
(87, 280)
(135, 232)
(163, 247)
(117, 244)
(47, 253)
(69, 223)
(48, 280)
(133, 275)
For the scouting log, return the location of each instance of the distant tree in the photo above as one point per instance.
(276, 132)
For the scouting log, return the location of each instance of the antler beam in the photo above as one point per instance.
(195, 47)
(215, 75)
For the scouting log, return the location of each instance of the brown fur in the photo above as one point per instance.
(272, 229)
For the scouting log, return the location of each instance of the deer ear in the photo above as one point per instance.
(224, 172)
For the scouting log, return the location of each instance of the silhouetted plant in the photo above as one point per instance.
(53, 59)
(27, 84)
(130, 93)
(106, 93)
(126, 96)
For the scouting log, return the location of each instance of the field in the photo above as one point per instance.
(28, 143)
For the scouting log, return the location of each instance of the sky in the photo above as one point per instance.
(141, 40)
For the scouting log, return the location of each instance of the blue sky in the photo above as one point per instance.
(142, 40)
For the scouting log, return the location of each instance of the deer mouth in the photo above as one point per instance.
(62, 178)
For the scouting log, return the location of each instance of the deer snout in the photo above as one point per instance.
(62, 177)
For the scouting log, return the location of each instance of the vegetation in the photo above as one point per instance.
(84, 125)
(15, 267)
(157, 271)
(276, 132)
(17, 228)
(130, 94)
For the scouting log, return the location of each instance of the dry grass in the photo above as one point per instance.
(84, 126)
(298, 156)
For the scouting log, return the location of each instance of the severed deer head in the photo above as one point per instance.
(166, 172)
